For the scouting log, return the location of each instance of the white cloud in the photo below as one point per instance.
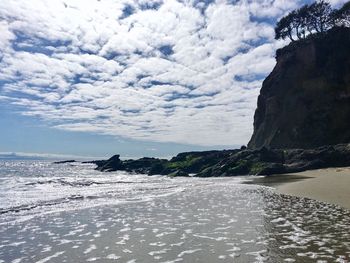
(337, 3)
(6, 36)
(177, 73)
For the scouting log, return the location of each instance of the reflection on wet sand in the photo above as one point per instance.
(305, 230)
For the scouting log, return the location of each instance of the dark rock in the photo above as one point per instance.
(179, 173)
(145, 165)
(112, 164)
(67, 161)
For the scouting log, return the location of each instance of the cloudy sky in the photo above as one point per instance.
(96, 77)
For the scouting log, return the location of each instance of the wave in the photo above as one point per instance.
(27, 207)
(80, 183)
(137, 193)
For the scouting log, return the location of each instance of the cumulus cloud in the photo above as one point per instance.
(167, 71)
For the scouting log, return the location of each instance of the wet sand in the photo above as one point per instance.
(331, 185)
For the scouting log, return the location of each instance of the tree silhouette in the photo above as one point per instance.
(284, 28)
(341, 17)
(320, 16)
(303, 19)
(312, 19)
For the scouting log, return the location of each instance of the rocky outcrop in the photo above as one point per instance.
(305, 101)
(277, 161)
(181, 165)
(62, 162)
(112, 164)
(261, 161)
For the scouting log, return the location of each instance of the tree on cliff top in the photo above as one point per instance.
(312, 19)
(320, 16)
(284, 27)
(341, 17)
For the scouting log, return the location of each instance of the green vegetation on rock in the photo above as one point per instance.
(257, 168)
(188, 162)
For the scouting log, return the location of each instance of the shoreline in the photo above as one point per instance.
(330, 185)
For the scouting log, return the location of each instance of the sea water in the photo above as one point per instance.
(72, 213)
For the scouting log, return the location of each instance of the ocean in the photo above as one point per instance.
(72, 213)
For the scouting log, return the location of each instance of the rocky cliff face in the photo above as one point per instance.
(305, 101)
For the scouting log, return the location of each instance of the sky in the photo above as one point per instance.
(135, 77)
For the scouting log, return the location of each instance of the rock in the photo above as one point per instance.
(195, 162)
(178, 173)
(67, 161)
(112, 164)
(305, 101)
(276, 161)
(145, 165)
(262, 161)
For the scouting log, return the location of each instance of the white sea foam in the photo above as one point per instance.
(113, 257)
(186, 252)
(90, 248)
(47, 259)
(17, 260)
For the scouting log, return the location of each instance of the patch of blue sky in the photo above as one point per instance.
(249, 77)
(147, 5)
(128, 10)
(25, 43)
(166, 50)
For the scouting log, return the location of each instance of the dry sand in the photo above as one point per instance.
(330, 185)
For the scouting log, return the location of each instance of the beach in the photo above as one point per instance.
(331, 185)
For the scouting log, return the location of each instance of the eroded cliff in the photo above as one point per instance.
(305, 101)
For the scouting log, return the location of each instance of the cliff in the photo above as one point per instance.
(305, 101)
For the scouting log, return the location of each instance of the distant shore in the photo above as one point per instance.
(331, 185)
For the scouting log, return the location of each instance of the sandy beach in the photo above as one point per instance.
(331, 185)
